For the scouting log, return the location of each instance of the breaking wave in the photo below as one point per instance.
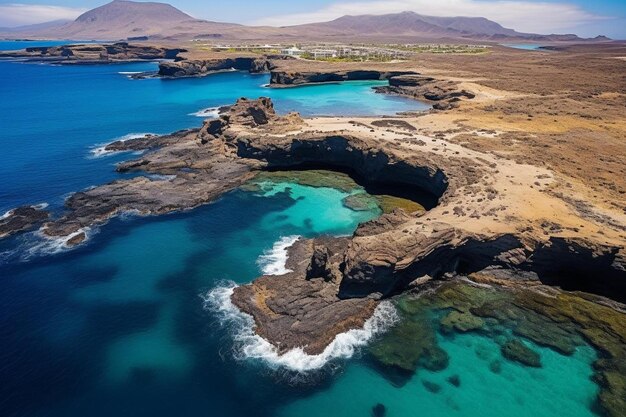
(248, 345)
(208, 113)
(99, 150)
(273, 261)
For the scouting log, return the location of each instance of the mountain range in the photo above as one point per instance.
(123, 19)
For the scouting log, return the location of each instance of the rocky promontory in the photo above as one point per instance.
(200, 67)
(286, 78)
(21, 219)
(93, 53)
(444, 94)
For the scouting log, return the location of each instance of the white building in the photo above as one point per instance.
(293, 51)
(324, 53)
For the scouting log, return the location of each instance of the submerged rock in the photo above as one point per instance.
(360, 202)
(463, 322)
(515, 350)
(379, 410)
(431, 386)
(411, 344)
(454, 380)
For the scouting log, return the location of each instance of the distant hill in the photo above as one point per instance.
(406, 24)
(122, 19)
(147, 20)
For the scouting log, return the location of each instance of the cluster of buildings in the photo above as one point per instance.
(351, 52)
(326, 52)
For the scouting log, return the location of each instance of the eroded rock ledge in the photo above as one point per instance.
(21, 219)
(480, 218)
(199, 67)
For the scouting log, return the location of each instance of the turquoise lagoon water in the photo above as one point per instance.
(525, 46)
(120, 326)
(562, 387)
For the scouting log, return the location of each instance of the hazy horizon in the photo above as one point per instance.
(607, 17)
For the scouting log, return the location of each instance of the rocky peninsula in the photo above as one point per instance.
(84, 54)
(507, 206)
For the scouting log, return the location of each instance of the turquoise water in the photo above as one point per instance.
(119, 327)
(524, 46)
(562, 387)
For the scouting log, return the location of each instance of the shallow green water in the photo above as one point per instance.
(562, 387)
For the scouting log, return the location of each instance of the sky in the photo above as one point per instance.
(584, 17)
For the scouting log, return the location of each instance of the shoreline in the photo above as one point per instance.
(501, 217)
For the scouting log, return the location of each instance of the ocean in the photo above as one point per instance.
(137, 322)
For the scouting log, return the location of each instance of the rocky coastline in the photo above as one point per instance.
(175, 63)
(476, 225)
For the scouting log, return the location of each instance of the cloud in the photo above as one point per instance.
(17, 14)
(524, 16)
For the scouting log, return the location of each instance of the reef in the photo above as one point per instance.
(508, 314)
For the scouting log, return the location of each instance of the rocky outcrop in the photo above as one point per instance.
(515, 350)
(444, 95)
(194, 166)
(350, 153)
(337, 283)
(198, 68)
(297, 311)
(287, 78)
(21, 219)
(93, 53)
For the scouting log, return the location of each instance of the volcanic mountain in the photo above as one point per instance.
(122, 19)
(407, 24)
(126, 19)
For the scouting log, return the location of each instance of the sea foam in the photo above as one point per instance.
(208, 113)
(41, 244)
(248, 345)
(274, 260)
(99, 150)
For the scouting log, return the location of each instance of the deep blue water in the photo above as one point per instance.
(53, 116)
(119, 326)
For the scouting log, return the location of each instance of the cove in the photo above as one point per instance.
(118, 327)
(55, 117)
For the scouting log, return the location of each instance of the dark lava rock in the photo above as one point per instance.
(515, 350)
(318, 267)
(21, 219)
